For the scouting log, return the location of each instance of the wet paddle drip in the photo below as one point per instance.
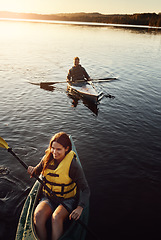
(109, 96)
(4, 171)
(100, 88)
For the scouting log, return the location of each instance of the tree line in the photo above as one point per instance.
(148, 19)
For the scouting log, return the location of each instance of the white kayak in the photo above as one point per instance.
(85, 90)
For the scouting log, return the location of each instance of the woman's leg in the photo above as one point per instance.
(58, 218)
(42, 212)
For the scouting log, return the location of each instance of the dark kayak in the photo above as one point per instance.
(26, 229)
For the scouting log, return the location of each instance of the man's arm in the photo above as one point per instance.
(69, 75)
(86, 74)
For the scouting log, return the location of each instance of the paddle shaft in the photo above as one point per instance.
(52, 194)
(93, 80)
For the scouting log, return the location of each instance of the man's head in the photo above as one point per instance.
(76, 61)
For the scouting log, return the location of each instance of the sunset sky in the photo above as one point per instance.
(69, 6)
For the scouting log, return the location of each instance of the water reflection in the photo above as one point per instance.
(47, 87)
(76, 98)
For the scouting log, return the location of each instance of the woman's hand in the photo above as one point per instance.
(30, 171)
(76, 213)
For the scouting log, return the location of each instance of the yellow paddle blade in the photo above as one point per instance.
(3, 143)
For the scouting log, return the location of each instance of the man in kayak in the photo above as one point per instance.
(77, 72)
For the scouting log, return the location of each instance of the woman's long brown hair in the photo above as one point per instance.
(61, 138)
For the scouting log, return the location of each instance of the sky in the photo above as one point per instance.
(72, 6)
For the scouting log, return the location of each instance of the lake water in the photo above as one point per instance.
(119, 147)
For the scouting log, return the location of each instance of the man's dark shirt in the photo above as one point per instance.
(77, 73)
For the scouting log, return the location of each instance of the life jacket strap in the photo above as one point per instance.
(53, 174)
(64, 192)
(57, 184)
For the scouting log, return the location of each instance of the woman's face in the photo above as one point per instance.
(58, 151)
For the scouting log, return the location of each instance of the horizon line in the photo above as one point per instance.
(81, 12)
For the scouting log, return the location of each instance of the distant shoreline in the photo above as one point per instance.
(81, 23)
(139, 19)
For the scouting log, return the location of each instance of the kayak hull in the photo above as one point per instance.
(86, 90)
(26, 229)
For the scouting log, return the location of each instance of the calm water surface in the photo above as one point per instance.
(119, 147)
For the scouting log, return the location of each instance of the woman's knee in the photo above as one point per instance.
(56, 218)
(38, 217)
(59, 215)
(41, 214)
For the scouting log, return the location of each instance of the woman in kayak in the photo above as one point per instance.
(63, 174)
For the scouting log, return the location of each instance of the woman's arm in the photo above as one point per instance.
(77, 175)
(37, 170)
(76, 213)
